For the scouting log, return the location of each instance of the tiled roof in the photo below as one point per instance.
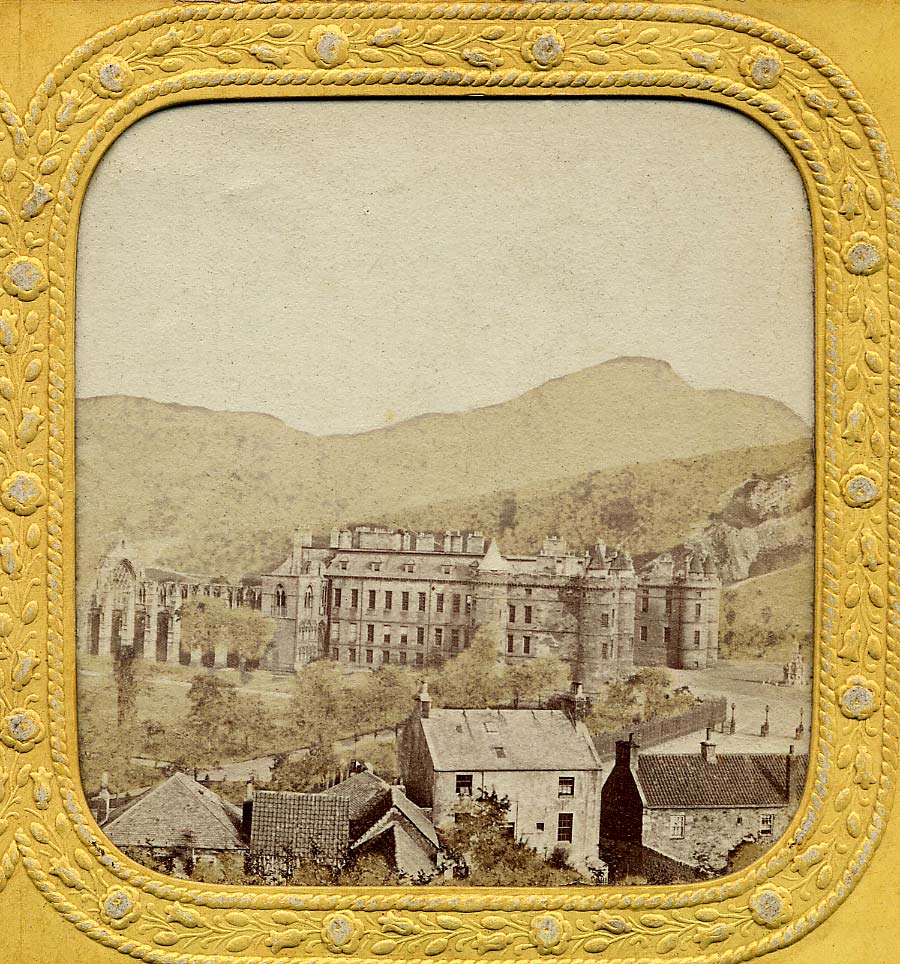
(402, 848)
(179, 812)
(677, 780)
(301, 824)
(368, 794)
(495, 740)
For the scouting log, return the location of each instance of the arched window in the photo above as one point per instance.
(308, 598)
(280, 600)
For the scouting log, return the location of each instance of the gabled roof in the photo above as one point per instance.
(402, 848)
(680, 780)
(368, 794)
(300, 824)
(495, 740)
(178, 813)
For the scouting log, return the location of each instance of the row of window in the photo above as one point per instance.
(667, 635)
(456, 635)
(464, 783)
(457, 604)
(511, 644)
(374, 657)
(645, 604)
(527, 613)
(679, 822)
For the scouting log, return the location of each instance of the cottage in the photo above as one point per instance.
(696, 809)
(543, 761)
(179, 823)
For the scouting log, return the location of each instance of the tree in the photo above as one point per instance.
(126, 686)
(537, 678)
(474, 678)
(319, 704)
(208, 621)
(481, 848)
(310, 772)
(213, 715)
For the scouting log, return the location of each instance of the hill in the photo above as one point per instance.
(220, 492)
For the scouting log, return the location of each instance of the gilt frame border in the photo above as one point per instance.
(211, 51)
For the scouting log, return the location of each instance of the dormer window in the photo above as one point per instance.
(343, 564)
(375, 566)
(409, 567)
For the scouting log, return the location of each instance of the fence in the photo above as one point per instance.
(711, 713)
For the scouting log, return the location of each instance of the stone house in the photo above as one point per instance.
(360, 815)
(697, 808)
(179, 820)
(542, 761)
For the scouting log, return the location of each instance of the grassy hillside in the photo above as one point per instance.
(763, 616)
(220, 492)
(643, 508)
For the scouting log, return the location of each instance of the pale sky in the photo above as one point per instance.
(340, 264)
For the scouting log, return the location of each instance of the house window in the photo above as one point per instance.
(440, 602)
(510, 644)
(420, 659)
(645, 603)
(376, 567)
(354, 598)
(370, 633)
(567, 786)
(456, 602)
(604, 620)
(337, 598)
(667, 634)
(526, 645)
(388, 600)
(564, 826)
(280, 601)
(539, 826)
(676, 829)
(343, 564)
(668, 600)
(438, 636)
(335, 653)
(386, 656)
(337, 632)
(403, 659)
(500, 752)
(370, 655)
(468, 604)
(528, 611)
(454, 639)
(420, 635)
(446, 570)
(697, 610)
(351, 655)
(404, 635)
(404, 602)
(421, 602)
(371, 599)
(308, 598)
(410, 567)
(464, 784)
(387, 636)
(767, 824)
(696, 637)
(643, 634)
(512, 614)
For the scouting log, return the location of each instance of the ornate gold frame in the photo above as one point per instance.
(212, 51)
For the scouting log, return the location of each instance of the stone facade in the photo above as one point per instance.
(698, 808)
(450, 757)
(369, 596)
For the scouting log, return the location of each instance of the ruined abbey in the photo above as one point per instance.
(369, 596)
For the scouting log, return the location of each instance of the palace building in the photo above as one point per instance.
(370, 596)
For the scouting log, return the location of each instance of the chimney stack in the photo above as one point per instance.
(792, 792)
(627, 752)
(247, 810)
(423, 702)
(708, 748)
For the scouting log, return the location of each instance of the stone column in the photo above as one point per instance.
(128, 621)
(173, 637)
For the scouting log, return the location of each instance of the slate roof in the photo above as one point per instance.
(680, 780)
(368, 794)
(179, 812)
(494, 740)
(302, 824)
(427, 565)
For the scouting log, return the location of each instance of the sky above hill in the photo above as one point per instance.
(345, 264)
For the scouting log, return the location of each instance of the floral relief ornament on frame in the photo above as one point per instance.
(211, 51)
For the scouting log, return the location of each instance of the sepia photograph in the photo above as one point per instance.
(480, 556)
